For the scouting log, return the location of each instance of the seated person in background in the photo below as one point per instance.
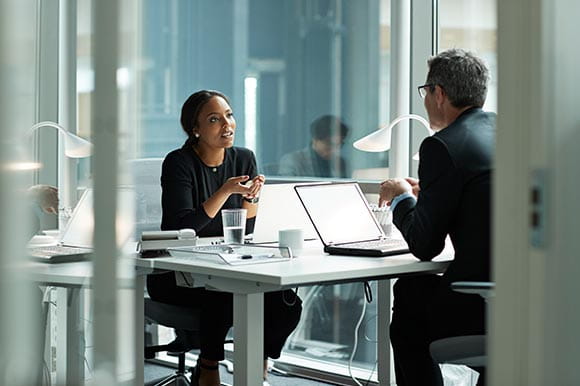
(205, 175)
(452, 197)
(42, 199)
(322, 157)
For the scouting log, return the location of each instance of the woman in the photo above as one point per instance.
(205, 175)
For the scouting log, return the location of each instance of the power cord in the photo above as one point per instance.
(356, 329)
(293, 302)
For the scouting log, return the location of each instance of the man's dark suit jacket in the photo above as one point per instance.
(455, 198)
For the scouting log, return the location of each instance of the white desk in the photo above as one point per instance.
(249, 282)
(70, 279)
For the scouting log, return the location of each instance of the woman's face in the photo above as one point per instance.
(216, 124)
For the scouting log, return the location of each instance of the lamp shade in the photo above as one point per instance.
(380, 140)
(74, 146)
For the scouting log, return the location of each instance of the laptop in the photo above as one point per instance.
(76, 241)
(280, 208)
(345, 223)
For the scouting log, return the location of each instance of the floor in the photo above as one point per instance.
(155, 372)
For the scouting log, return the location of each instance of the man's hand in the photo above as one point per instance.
(415, 185)
(45, 196)
(391, 188)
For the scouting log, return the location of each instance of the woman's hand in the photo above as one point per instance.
(235, 185)
(255, 186)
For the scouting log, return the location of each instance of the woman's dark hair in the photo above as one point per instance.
(191, 108)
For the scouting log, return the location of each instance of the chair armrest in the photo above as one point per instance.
(484, 289)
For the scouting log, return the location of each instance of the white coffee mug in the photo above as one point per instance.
(291, 238)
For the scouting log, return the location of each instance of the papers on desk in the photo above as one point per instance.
(233, 254)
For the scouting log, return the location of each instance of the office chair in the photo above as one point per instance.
(468, 350)
(184, 322)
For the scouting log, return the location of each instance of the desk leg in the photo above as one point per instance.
(70, 343)
(248, 339)
(383, 321)
(139, 318)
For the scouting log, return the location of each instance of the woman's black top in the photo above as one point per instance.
(187, 182)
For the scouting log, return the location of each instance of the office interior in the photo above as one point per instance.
(117, 73)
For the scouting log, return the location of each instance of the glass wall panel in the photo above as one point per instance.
(472, 25)
(284, 65)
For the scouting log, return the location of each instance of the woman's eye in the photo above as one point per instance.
(213, 120)
(230, 115)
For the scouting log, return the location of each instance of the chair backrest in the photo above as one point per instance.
(146, 173)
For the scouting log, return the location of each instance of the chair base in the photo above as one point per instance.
(175, 380)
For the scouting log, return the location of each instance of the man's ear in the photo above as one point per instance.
(440, 96)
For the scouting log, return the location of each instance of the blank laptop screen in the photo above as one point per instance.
(340, 213)
(79, 230)
(280, 208)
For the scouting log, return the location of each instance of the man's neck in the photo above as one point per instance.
(451, 114)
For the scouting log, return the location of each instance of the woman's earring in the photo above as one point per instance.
(196, 135)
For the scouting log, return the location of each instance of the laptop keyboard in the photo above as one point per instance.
(378, 244)
(56, 250)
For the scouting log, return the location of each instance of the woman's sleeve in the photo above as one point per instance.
(177, 199)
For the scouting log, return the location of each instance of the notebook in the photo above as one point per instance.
(76, 240)
(280, 208)
(343, 220)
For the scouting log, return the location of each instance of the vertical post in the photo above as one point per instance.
(248, 339)
(20, 353)
(105, 138)
(70, 339)
(67, 93)
(383, 341)
(400, 80)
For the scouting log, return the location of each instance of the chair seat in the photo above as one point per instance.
(169, 315)
(468, 350)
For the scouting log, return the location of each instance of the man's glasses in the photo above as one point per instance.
(423, 89)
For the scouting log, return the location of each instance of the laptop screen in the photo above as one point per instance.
(280, 208)
(79, 230)
(339, 212)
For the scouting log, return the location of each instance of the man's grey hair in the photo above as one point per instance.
(462, 75)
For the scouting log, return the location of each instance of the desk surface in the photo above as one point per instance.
(312, 267)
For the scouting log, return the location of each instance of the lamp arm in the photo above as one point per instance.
(416, 117)
(43, 124)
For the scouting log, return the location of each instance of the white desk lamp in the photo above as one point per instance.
(380, 140)
(74, 146)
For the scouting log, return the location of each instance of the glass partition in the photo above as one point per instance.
(472, 25)
(304, 78)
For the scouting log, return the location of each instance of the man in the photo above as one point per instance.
(42, 199)
(322, 157)
(451, 197)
